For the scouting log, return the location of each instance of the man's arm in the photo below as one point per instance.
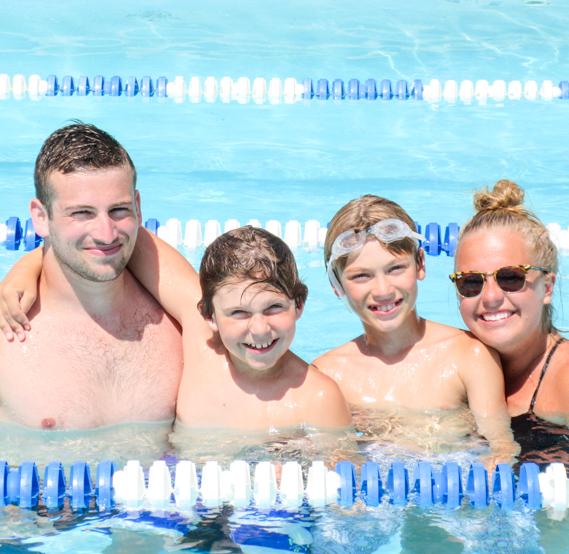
(168, 276)
(18, 292)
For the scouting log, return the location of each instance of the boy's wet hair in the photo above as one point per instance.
(249, 253)
(77, 147)
(361, 213)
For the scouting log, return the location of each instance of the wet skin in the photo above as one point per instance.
(256, 325)
(404, 360)
(100, 350)
(512, 323)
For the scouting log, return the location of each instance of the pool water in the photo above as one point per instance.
(296, 161)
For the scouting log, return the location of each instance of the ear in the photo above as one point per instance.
(138, 212)
(299, 312)
(39, 218)
(421, 271)
(549, 285)
(212, 323)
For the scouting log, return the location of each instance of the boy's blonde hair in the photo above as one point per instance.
(249, 253)
(361, 213)
(503, 209)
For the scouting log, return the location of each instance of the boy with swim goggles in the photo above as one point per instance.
(386, 231)
(405, 367)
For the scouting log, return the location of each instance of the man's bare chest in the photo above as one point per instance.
(80, 375)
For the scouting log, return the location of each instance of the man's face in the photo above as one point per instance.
(94, 221)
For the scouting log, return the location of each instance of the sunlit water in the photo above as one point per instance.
(301, 161)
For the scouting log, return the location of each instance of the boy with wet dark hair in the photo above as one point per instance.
(249, 254)
(239, 372)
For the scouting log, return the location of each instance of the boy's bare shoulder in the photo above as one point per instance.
(323, 400)
(335, 361)
(458, 339)
(462, 347)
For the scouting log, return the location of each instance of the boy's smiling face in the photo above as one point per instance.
(255, 324)
(382, 287)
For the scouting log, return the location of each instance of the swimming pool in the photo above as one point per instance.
(297, 161)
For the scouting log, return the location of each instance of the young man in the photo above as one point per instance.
(100, 349)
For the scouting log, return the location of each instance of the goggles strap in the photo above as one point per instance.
(338, 288)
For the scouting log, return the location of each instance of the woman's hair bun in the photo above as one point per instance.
(505, 195)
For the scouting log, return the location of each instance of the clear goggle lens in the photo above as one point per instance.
(386, 231)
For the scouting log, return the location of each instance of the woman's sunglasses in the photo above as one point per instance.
(510, 279)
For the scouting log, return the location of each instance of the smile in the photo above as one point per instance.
(110, 250)
(262, 347)
(497, 316)
(386, 308)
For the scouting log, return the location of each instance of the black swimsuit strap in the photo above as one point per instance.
(543, 370)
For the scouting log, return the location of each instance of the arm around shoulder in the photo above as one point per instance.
(167, 275)
(18, 292)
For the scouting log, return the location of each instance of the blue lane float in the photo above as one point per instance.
(528, 486)
(371, 489)
(504, 487)
(13, 233)
(54, 486)
(131, 87)
(347, 472)
(31, 239)
(398, 483)
(130, 487)
(83, 88)
(67, 86)
(477, 486)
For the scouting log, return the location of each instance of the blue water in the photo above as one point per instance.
(302, 161)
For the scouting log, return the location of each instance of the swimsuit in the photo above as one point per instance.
(541, 441)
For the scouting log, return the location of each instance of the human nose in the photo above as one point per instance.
(492, 294)
(258, 325)
(104, 229)
(382, 287)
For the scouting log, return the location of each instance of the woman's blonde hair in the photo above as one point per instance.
(361, 213)
(503, 209)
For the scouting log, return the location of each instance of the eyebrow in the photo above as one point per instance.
(89, 207)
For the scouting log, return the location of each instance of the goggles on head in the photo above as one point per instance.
(386, 231)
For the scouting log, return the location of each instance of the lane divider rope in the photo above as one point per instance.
(131, 488)
(12, 234)
(276, 90)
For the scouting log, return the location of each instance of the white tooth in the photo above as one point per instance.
(496, 316)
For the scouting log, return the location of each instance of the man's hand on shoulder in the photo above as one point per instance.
(18, 292)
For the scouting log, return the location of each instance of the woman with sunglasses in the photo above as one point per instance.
(419, 380)
(505, 266)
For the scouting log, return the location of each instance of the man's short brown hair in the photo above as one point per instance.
(77, 147)
(249, 253)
